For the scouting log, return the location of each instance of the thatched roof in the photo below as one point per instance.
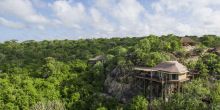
(171, 67)
(97, 58)
(143, 69)
(186, 40)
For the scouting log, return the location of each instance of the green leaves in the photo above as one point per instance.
(152, 49)
(192, 98)
(55, 74)
(210, 40)
(202, 69)
(197, 88)
(208, 64)
(78, 66)
(54, 68)
(139, 103)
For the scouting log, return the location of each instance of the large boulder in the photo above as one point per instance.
(119, 84)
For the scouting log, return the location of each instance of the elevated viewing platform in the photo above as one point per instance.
(161, 80)
(169, 71)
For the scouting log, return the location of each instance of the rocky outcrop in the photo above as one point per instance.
(119, 84)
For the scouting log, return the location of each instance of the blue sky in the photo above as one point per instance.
(74, 19)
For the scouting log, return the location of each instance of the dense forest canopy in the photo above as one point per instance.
(56, 74)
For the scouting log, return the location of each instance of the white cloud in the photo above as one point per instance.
(11, 24)
(183, 29)
(78, 17)
(40, 4)
(127, 10)
(99, 22)
(195, 16)
(71, 16)
(126, 14)
(115, 17)
(22, 9)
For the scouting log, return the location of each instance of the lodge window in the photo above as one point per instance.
(174, 77)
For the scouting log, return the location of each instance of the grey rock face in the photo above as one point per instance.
(119, 83)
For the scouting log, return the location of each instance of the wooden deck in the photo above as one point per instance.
(143, 69)
(183, 80)
(162, 81)
(152, 79)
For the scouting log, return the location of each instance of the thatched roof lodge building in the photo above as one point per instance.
(96, 59)
(186, 41)
(163, 79)
(171, 71)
